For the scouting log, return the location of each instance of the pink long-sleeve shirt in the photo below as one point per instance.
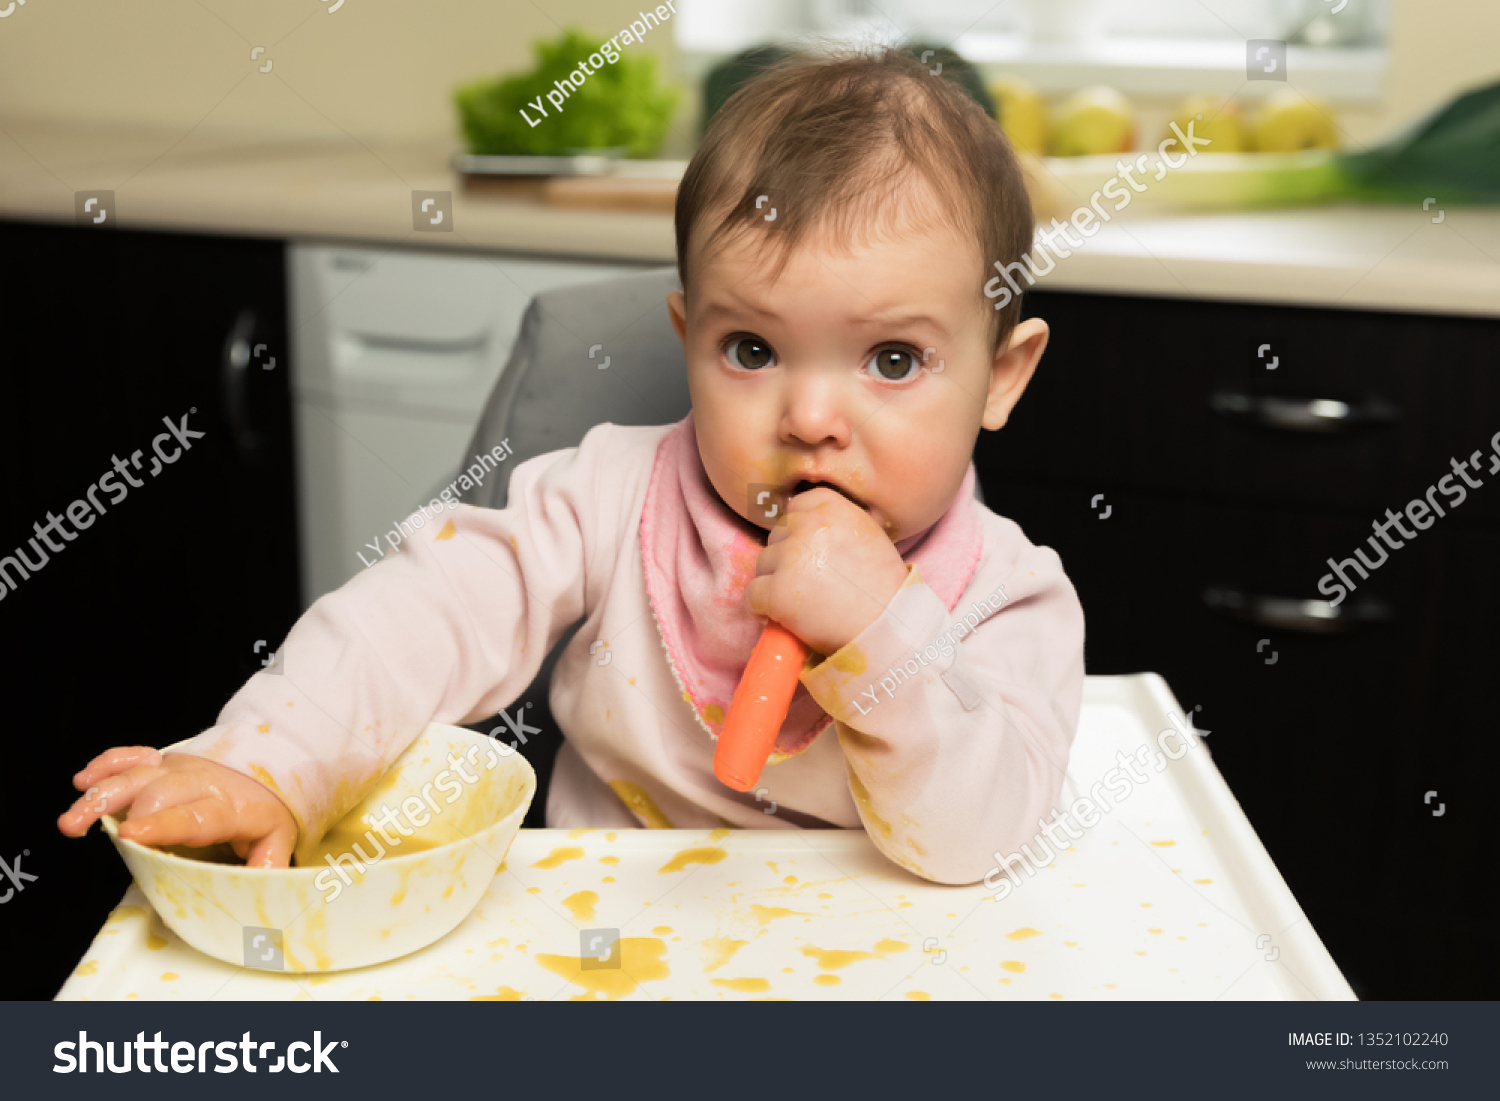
(943, 766)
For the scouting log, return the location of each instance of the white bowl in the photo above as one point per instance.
(317, 918)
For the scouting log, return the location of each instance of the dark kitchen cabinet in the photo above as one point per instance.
(147, 619)
(1195, 495)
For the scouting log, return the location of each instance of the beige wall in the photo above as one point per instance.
(374, 68)
(386, 68)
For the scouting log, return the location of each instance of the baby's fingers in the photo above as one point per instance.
(112, 762)
(274, 850)
(110, 795)
(200, 823)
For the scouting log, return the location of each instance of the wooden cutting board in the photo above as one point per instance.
(611, 193)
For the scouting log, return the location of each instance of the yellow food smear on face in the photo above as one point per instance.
(641, 960)
(582, 905)
(719, 835)
(640, 804)
(1023, 932)
(919, 995)
(448, 532)
(827, 980)
(264, 728)
(721, 951)
(513, 544)
(713, 714)
(1015, 967)
(559, 855)
(862, 797)
(700, 855)
(89, 968)
(501, 994)
(744, 986)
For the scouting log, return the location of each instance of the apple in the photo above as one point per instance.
(1023, 113)
(1288, 121)
(1093, 121)
(1213, 117)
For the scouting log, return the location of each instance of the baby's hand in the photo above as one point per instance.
(180, 799)
(827, 573)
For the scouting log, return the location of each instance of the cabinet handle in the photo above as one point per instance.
(234, 375)
(1301, 414)
(1318, 617)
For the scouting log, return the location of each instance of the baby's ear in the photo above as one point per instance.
(677, 307)
(1012, 370)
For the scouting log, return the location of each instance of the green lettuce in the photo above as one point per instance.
(619, 105)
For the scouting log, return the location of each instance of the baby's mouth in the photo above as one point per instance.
(805, 485)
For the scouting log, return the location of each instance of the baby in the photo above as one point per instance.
(833, 238)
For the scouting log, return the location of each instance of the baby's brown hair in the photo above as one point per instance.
(832, 137)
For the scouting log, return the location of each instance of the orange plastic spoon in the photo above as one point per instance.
(759, 707)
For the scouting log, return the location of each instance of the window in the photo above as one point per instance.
(1336, 48)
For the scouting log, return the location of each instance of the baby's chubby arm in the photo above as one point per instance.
(958, 759)
(450, 629)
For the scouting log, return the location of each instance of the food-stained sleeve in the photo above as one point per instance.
(956, 726)
(449, 626)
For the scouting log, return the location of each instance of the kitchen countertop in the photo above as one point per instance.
(1169, 895)
(1382, 258)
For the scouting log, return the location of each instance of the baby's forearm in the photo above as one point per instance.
(449, 630)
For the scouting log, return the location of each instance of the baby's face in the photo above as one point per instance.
(866, 366)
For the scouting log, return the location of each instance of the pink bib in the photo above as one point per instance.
(699, 556)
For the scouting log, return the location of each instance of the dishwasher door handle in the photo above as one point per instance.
(1318, 617)
(234, 372)
(1301, 414)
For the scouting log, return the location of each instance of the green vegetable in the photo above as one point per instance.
(619, 105)
(1453, 154)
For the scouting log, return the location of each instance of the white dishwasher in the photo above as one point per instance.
(394, 353)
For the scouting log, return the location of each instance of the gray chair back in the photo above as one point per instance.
(553, 391)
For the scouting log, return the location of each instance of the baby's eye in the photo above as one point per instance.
(894, 364)
(750, 352)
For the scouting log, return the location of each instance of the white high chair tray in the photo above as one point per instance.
(1169, 895)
